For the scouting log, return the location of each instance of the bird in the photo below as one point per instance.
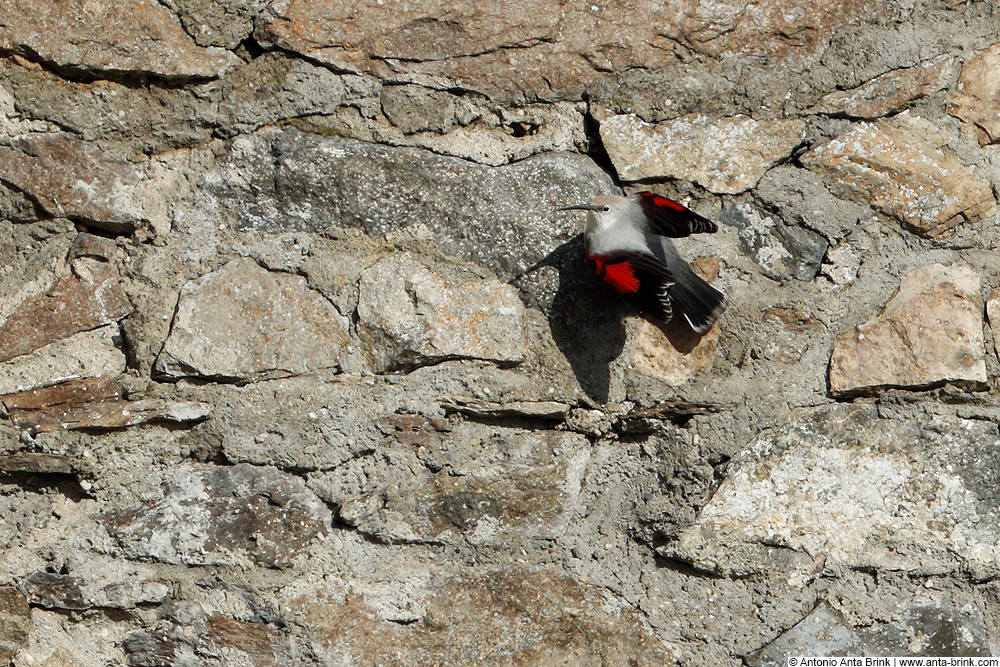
(628, 246)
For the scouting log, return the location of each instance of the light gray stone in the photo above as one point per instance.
(724, 155)
(223, 23)
(222, 515)
(799, 196)
(500, 217)
(891, 91)
(926, 629)
(930, 332)
(243, 322)
(901, 167)
(91, 353)
(410, 316)
(838, 486)
(782, 251)
(530, 495)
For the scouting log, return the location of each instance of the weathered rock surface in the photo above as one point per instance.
(901, 167)
(799, 196)
(976, 97)
(930, 332)
(547, 51)
(74, 179)
(837, 486)
(410, 316)
(781, 250)
(93, 403)
(420, 451)
(107, 38)
(216, 515)
(526, 490)
(940, 630)
(16, 621)
(503, 218)
(891, 91)
(225, 23)
(245, 322)
(727, 155)
(469, 616)
(91, 353)
(73, 304)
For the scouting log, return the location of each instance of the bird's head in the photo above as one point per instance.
(602, 211)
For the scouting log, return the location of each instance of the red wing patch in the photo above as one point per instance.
(662, 202)
(640, 279)
(621, 277)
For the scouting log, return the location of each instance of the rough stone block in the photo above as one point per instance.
(244, 322)
(930, 332)
(724, 155)
(411, 316)
(899, 166)
(976, 97)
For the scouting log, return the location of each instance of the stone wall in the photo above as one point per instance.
(300, 366)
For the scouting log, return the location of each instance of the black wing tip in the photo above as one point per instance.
(701, 323)
(674, 220)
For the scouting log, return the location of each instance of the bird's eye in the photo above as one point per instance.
(606, 209)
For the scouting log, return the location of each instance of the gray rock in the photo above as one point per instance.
(60, 591)
(410, 316)
(838, 486)
(524, 490)
(891, 91)
(156, 117)
(921, 630)
(418, 109)
(502, 217)
(724, 155)
(822, 633)
(799, 196)
(321, 421)
(243, 322)
(901, 166)
(272, 88)
(783, 251)
(222, 515)
(223, 23)
(16, 206)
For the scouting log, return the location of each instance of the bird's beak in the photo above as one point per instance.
(580, 207)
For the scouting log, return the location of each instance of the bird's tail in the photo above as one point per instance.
(700, 303)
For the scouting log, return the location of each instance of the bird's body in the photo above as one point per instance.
(628, 246)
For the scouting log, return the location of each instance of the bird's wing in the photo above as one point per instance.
(639, 277)
(668, 218)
